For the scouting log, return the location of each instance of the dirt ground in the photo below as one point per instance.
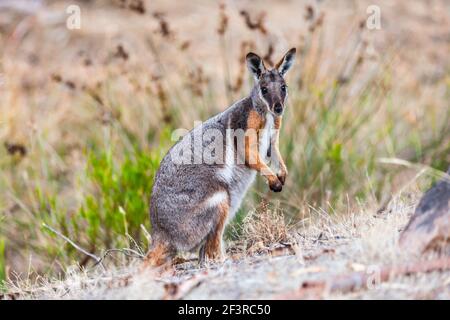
(325, 252)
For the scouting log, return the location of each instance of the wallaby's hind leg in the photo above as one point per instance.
(213, 249)
(158, 255)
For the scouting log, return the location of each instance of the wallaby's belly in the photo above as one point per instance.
(240, 179)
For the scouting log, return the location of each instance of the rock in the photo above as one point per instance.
(429, 226)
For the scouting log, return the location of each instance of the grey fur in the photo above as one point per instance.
(180, 189)
(180, 219)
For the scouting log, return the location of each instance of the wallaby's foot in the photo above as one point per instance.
(158, 261)
(212, 250)
(209, 255)
(165, 269)
(158, 256)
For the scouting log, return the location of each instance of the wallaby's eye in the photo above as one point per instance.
(283, 88)
(264, 90)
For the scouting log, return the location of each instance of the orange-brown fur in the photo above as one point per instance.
(158, 256)
(252, 156)
(213, 245)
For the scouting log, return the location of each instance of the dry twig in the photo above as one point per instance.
(176, 291)
(98, 260)
(363, 280)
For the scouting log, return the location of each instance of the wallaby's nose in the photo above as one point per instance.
(278, 108)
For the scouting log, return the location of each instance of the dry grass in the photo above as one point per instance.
(327, 248)
(261, 228)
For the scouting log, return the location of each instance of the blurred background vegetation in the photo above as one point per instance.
(86, 115)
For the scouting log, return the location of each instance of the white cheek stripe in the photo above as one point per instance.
(263, 100)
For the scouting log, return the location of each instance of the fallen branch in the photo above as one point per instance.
(125, 251)
(178, 290)
(98, 260)
(365, 279)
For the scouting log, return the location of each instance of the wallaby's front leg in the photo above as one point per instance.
(277, 158)
(252, 157)
(259, 165)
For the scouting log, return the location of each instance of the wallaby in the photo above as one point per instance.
(192, 202)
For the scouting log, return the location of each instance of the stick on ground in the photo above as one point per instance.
(364, 280)
(98, 260)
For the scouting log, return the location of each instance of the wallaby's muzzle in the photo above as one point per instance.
(278, 108)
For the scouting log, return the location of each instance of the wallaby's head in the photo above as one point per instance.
(270, 88)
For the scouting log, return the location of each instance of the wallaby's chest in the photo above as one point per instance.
(265, 134)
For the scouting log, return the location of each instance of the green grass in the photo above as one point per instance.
(115, 210)
(2, 263)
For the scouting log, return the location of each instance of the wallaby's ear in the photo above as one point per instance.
(286, 63)
(255, 64)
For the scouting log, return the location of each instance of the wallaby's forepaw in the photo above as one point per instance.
(282, 177)
(276, 185)
(282, 174)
